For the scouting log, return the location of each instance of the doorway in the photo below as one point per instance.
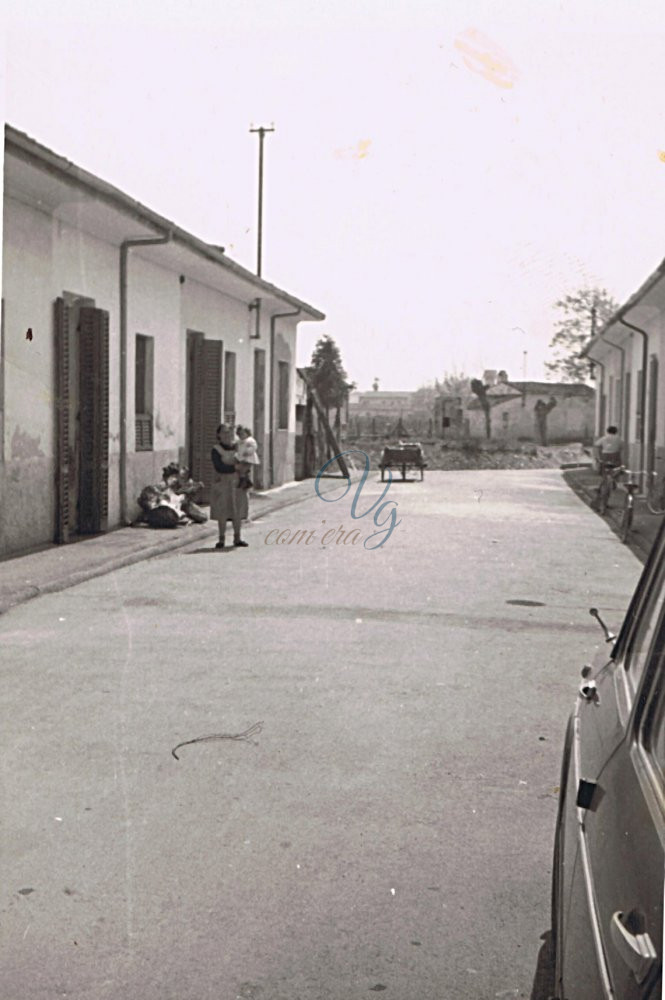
(204, 405)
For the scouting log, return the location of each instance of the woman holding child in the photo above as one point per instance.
(224, 505)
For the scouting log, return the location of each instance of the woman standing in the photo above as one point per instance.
(223, 491)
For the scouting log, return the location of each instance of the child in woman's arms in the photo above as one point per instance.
(247, 455)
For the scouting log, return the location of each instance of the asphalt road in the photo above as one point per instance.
(389, 830)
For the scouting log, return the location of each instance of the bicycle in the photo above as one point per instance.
(654, 497)
(608, 483)
(631, 487)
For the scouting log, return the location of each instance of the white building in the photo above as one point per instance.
(125, 342)
(630, 377)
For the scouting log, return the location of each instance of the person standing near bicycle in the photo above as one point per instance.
(607, 449)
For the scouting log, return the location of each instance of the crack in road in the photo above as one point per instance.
(360, 615)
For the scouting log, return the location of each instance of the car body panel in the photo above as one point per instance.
(609, 848)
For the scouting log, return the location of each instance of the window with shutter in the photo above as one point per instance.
(143, 392)
(283, 400)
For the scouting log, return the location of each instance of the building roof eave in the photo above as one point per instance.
(634, 300)
(22, 146)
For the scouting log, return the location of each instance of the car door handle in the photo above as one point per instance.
(636, 950)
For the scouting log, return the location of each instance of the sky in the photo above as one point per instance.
(440, 173)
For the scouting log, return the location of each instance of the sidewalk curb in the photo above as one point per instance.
(172, 544)
(638, 545)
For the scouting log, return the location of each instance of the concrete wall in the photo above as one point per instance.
(572, 419)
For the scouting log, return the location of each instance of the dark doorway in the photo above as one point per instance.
(204, 404)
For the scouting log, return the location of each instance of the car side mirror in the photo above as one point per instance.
(608, 635)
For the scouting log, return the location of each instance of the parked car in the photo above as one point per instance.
(609, 860)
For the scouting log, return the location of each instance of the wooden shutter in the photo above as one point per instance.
(143, 433)
(63, 442)
(259, 414)
(94, 431)
(206, 407)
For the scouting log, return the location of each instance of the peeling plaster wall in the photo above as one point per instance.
(42, 259)
(153, 309)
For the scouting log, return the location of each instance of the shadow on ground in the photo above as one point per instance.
(584, 482)
(543, 980)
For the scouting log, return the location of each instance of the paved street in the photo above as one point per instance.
(390, 828)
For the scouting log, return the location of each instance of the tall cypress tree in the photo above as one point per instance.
(328, 375)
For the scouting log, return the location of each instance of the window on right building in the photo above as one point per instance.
(143, 394)
(283, 398)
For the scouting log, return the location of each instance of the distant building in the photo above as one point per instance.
(541, 412)
(381, 412)
(380, 404)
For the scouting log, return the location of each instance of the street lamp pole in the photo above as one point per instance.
(261, 133)
(524, 353)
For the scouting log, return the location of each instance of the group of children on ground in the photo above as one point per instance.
(170, 503)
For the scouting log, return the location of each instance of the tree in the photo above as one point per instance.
(542, 409)
(455, 384)
(580, 315)
(328, 376)
(480, 390)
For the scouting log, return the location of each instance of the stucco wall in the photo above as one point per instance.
(572, 419)
(284, 448)
(42, 259)
(611, 405)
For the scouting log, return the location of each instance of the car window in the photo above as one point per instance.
(642, 637)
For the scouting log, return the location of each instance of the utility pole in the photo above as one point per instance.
(261, 133)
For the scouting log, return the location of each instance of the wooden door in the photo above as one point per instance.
(204, 405)
(93, 332)
(82, 419)
(62, 406)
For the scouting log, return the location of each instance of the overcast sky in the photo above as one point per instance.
(441, 172)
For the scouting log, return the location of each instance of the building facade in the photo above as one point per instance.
(539, 412)
(125, 342)
(625, 358)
